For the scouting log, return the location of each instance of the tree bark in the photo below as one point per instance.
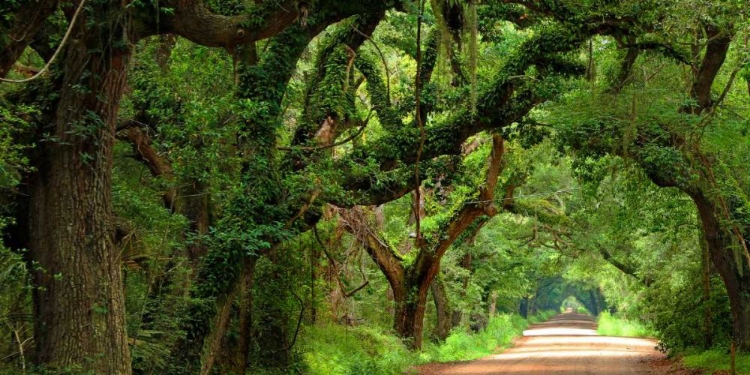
(409, 317)
(706, 298)
(716, 52)
(466, 264)
(78, 298)
(493, 305)
(213, 341)
(411, 284)
(731, 267)
(241, 351)
(443, 310)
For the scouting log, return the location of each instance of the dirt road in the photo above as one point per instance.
(566, 344)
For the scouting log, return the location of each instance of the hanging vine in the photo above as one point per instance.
(418, 117)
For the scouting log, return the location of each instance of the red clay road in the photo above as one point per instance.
(566, 344)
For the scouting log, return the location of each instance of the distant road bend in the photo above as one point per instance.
(565, 344)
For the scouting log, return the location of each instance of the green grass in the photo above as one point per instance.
(339, 350)
(464, 346)
(615, 326)
(717, 360)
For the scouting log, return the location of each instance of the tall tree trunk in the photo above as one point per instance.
(706, 284)
(443, 310)
(731, 267)
(314, 264)
(78, 298)
(215, 337)
(242, 350)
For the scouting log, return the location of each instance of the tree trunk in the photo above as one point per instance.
(493, 305)
(731, 267)
(409, 316)
(242, 350)
(596, 309)
(524, 307)
(78, 298)
(314, 264)
(443, 310)
(466, 264)
(706, 278)
(212, 344)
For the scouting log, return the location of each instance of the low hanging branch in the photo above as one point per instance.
(428, 259)
(335, 144)
(336, 268)
(382, 57)
(405, 280)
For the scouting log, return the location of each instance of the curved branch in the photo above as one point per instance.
(57, 52)
(28, 20)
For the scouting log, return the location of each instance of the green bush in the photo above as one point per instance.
(335, 349)
(615, 326)
(462, 345)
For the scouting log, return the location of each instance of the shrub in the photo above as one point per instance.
(610, 325)
(335, 349)
(717, 360)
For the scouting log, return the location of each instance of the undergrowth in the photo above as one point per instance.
(462, 346)
(341, 350)
(717, 360)
(610, 325)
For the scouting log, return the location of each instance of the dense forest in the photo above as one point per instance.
(333, 186)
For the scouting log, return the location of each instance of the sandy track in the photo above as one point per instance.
(566, 344)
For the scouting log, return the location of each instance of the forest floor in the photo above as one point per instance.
(567, 344)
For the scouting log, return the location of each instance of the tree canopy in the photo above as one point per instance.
(211, 186)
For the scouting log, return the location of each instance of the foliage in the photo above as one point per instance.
(336, 349)
(341, 350)
(610, 325)
(716, 360)
(265, 145)
(460, 345)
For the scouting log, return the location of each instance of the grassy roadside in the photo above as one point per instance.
(336, 349)
(711, 361)
(500, 333)
(716, 360)
(610, 325)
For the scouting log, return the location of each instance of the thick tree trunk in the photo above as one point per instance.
(706, 284)
(443, 310)
(731, 267)
(78, 298)
(213, 341)
(241, 351)
(409, 316)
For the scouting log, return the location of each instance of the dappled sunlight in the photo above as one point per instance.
(566, 344)
(559, 331)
